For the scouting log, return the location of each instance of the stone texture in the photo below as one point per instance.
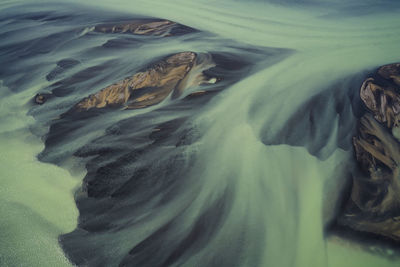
(41, 98)
(154, 27)
(374, 204)
(144, 88)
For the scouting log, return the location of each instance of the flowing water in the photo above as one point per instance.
(252, 176)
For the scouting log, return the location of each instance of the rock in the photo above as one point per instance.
(391, 72)
(381, 98)
(374, 204)
(147, 87)
(154, 27)
(197, 94)
(40, 99)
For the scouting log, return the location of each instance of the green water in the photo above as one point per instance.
(36, 199)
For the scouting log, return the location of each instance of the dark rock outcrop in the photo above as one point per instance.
(41, 98)
(374, 204)
(153, 27)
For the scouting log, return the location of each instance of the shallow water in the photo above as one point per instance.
(36, 200)
(257, 177)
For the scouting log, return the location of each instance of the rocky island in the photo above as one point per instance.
(155, 27)
(374, 205)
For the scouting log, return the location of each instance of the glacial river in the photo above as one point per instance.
(261, 185)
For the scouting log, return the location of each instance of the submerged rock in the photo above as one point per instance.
(147, 87)
(374, 204)
(41, 98)
(155, 27)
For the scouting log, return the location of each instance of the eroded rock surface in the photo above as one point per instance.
(374, 205)
(155, 27)
(147, 87)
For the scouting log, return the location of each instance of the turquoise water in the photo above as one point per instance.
(279, 191)
(36, 199)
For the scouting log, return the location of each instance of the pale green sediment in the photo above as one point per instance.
(36, 199)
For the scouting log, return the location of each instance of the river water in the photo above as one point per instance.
(262, 181)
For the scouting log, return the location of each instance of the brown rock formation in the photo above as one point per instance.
(41, 98)
(148, 87)
(374, 205)
(155, 27)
